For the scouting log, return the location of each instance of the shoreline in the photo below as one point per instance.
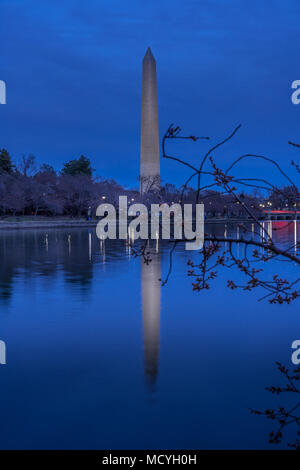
(22, 223)
(40, 224)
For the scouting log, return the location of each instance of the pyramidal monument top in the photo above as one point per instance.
(149, 55)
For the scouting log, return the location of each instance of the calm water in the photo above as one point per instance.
(100, 356)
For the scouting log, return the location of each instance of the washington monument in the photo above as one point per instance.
(150, 167)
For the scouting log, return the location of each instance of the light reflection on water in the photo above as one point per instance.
(99, 355)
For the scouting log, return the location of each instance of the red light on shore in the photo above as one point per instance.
(281, 212)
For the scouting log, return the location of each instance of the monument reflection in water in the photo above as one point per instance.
(151, 284)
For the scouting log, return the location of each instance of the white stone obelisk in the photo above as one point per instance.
(150, 165)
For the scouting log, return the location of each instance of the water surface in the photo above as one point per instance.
(100, 356)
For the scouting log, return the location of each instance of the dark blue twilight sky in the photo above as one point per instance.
(73, 75)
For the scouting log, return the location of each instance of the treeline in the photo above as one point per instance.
(26, 190)
(74, 191)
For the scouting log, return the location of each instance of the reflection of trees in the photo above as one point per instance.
(42, 254)
(284, 416)
(78, 268)
(14, 253)
(6, 276)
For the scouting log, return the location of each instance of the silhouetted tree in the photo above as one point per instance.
(287, 415)
(284, 197)
(77, 193)
(46, 168)
(255, 242)
(80, 166)
(27, 165)
(14, 197)
(6, 165)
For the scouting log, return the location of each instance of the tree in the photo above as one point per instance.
(6, 165)
(27, 165)
(80, 166)
(14, 197)
(284, 197)
(150, 184)
(39, 190)
(254, 240)
(77, 193)
(46, 168)
(284, 416)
